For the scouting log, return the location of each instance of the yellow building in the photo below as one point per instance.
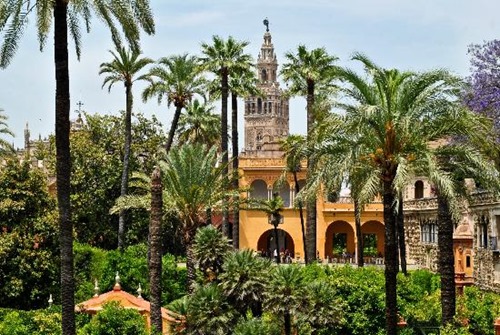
(261, 166)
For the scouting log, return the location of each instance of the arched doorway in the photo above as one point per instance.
(267, 242)
(339, 241)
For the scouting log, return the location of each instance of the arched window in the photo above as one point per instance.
(258, 189)
(419, 189)
(264, 75)
(283, 189)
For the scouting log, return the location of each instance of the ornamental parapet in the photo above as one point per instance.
(421, 204)
(482, 198)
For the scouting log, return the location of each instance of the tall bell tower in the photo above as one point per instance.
(266, 116)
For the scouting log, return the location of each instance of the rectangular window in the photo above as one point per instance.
(339, 243)
(428, 231)
(370, 245)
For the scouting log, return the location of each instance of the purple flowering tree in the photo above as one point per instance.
(483, 93)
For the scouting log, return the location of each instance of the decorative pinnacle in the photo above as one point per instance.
(96, 289)
(117, 286)
(139, 291)
(266, 23)
(50, 300)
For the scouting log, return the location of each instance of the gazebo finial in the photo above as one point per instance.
(96, 289)
(117, 286)
(139, 291)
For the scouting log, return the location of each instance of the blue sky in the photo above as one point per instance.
(409, 35)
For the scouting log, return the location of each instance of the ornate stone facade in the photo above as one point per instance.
(476, 249)
(267, 116)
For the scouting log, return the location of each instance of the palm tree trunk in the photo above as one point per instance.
(223, 143)
(446, 261)
(155, 250)
(359, 234)
(278, 258)
(173, 127)
(63, 166)
(401, 236)
(126, 163)
(190, 264)
(235, 180)
(301, 214)
(391, 255)
(288, 323)
(311, 203)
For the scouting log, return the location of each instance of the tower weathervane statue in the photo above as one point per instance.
(266, 23)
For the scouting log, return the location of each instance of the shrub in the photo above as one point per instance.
(115, 320)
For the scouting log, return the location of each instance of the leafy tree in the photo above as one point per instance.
(131, 15)
(123, 69)
(309, 72)
(28, 238)
(178, 78)
(97, 153)
(225, 59)
(483, 94)
(209, 249)
(243, 281)
(5, 147)
(199, 125)
(395, 115)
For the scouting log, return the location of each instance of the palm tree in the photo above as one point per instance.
(256, 326)
(155, 250)
(209, 312)
(284, 293)
(294, 148)
(321, 308)
(178, 79)
(190, 186)
(242, 84)
(225, 59)
(131, 15)
(209, 249)
(199, 125)
(460, 159)
(272, 208)
(122, 69)
(5, 147)
(338, 164)
(395, 115)
(307, 73)
(243, 281)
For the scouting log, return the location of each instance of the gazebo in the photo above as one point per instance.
(126, 300)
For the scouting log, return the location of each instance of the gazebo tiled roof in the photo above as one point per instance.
(126, 300)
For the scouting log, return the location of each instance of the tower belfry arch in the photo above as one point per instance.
(266, 116)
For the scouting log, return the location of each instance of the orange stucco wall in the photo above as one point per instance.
(331, 217)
